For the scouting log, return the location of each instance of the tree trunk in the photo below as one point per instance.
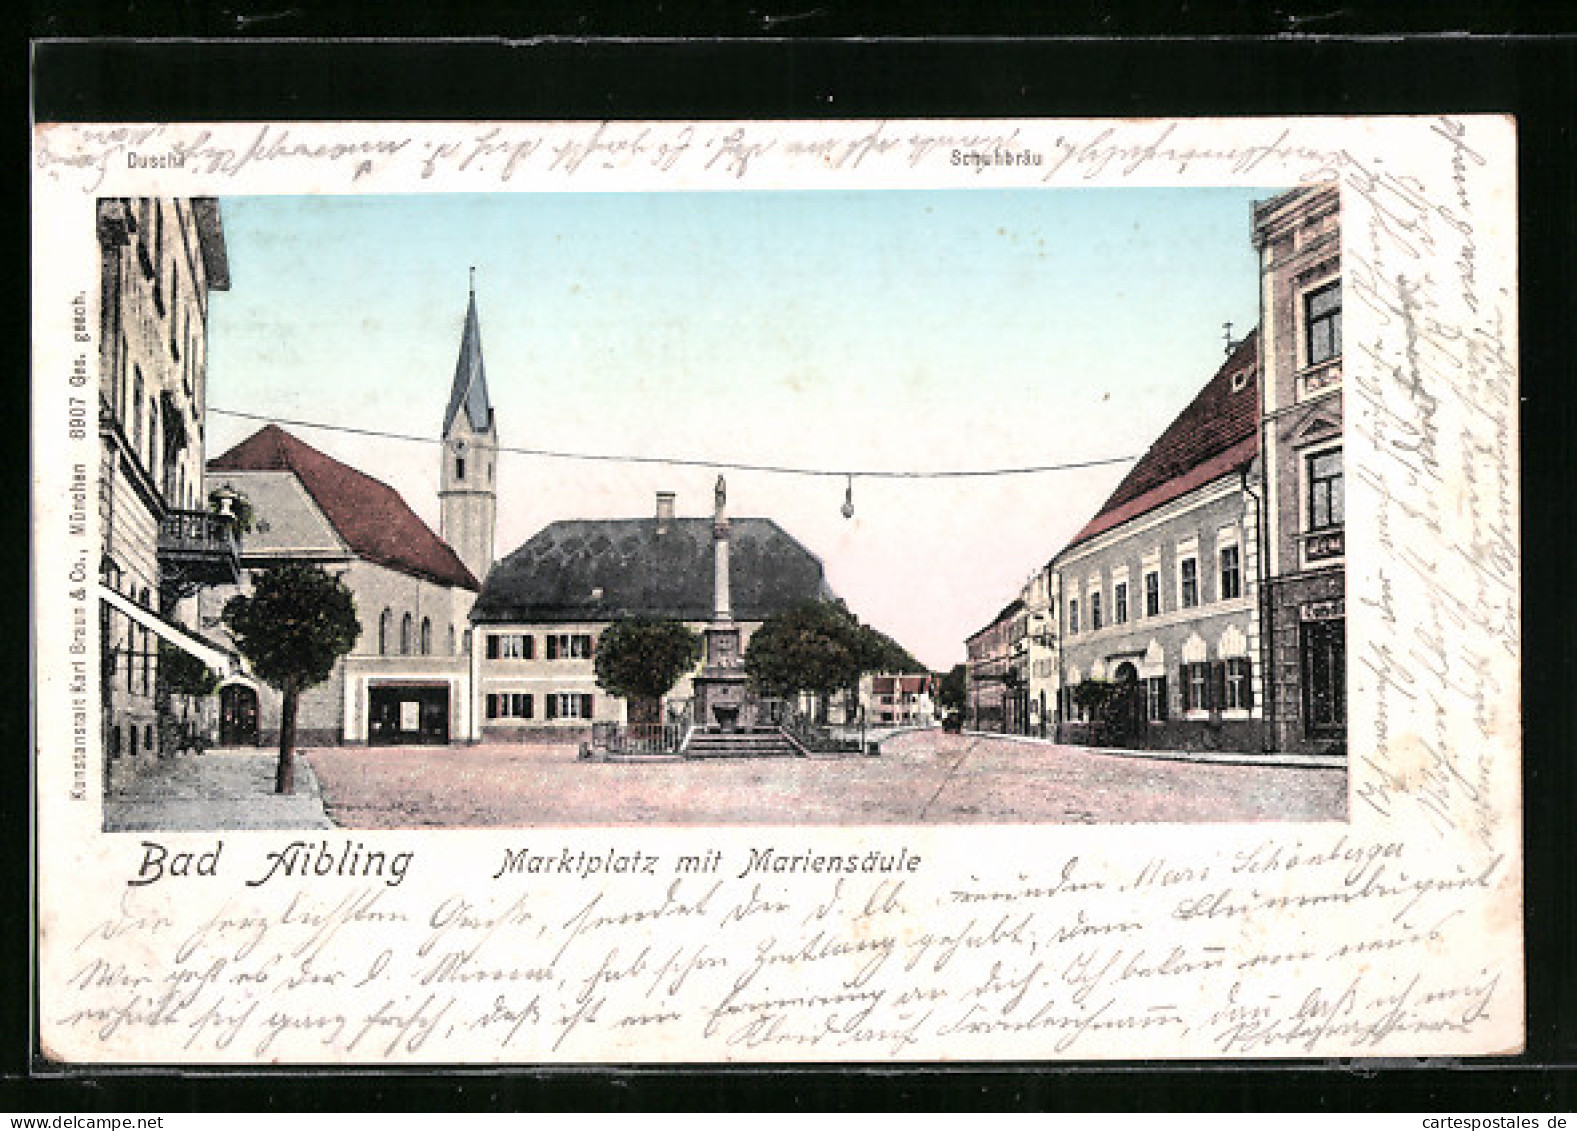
(285, 775)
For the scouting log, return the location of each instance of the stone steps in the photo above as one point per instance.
(740, 744)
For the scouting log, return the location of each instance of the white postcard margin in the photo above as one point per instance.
(1397, 933)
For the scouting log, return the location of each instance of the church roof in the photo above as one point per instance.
(470, 378)
(605, 569)
(1216, 434)
(369, 515)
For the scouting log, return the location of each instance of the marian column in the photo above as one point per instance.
(722, 699)
(722, 612)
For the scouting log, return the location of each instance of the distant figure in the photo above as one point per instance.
(720, 494)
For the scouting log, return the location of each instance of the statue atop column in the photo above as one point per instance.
(720, 496)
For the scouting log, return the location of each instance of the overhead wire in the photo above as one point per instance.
(713, 464)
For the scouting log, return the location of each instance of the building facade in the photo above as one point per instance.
(990, 671)
(897, 700)
(544, 606)
(1298, 235)
(407, 678)
(1041, 663)
(160, 540)
(1160, 625)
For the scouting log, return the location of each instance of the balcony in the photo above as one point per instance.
(198, 548)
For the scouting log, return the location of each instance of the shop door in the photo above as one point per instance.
(406, 715)
(1324, 647)
(237, 716)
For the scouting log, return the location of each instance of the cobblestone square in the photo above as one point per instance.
(921, 778)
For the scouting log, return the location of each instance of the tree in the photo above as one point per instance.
(184, 674)
(1096, 696)
(181, 673)
(953, 693)
(641, 658)
(822, 648)
(298, 621)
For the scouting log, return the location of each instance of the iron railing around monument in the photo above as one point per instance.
(637, 738)
(666, 737)
(818, 738)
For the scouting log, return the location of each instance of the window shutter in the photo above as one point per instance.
(492, 706)
(492, 646)
(529, 647)
(551, 703)
(585, 706)
(1183, 687)
(553, 647)
(530, 709)
(1166, 701)
(1218, 685)
(1248, 684)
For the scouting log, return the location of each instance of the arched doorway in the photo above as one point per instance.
(237, 715)
(1125, 725)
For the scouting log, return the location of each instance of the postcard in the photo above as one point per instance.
(776, 591)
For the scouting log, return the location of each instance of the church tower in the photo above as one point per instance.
(467, 491)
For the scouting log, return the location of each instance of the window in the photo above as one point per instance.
(1231, 573)
(1152, 594)
(1322, 311)
(510, 705)
(136, 411)
(510, 646)
(1196, 687)
(405, 635)
(1239, 693)
(569, 646)
(153, 438)
(1120, 603)
(1325, 490)
(568, 705)
(459, 467)
(175, 298)
(1095, 610)
(1073, 614)
(427, 637)
(1189, 572)
(383, 632)
(1155, 699)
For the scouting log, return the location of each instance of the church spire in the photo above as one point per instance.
(467, 494)
(470, 375)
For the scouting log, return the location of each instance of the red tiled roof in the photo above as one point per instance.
(1216, 434)
(370, 515)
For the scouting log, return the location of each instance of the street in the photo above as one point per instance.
(920, 778)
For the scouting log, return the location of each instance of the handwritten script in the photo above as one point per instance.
(1075, 958)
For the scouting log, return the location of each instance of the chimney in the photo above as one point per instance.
(665, 511)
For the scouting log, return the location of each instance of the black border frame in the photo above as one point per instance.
(1248, 65)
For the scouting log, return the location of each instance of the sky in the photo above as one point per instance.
(839, 331)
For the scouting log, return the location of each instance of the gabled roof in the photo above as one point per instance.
(604, 569)
(470, 378)
(900, 684)
(1217, 434)
(369, 515)
(1009, 610)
